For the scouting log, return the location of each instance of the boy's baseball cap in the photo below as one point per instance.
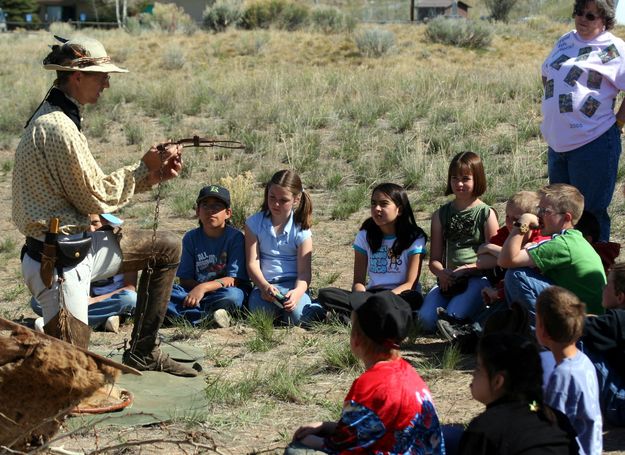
(384, 316)
(216, 191)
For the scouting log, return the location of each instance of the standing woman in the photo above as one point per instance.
(582, 76)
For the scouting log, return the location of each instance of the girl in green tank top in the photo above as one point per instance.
(458, 229)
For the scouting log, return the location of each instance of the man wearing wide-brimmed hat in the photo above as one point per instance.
(56, 176)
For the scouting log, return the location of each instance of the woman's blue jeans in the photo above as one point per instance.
(592, 169)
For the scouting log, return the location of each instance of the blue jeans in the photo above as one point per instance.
(229, 299)
(461, 306)
(523, 285)
(592, 169)
(121, 304)
(611, 390)
(304, 313)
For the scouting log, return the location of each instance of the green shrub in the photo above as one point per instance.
(459, 32)
(283, 14)
(375, 42)
(331, 20)
(221, 15)
(170, 18)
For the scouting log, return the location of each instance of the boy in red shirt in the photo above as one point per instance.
(389, 408)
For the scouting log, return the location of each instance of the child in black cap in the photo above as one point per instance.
(389, 408)
(213, 277)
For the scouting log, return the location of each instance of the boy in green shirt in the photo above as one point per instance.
(567, 260)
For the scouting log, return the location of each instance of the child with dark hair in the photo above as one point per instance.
(458, 229)
(572, 386)
(213, 278)
(389, 408)
(508, 380)
(603, 342)
(278, 247)
(388, 249)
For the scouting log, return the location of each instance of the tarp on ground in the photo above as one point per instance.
(158, 397)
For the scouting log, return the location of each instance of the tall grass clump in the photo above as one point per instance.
(459, 32)
(331, 20)
(375, 42)
(350, 201)
(173, 57)
(338, 357)
(262, 324)
(282, 14)
(243, 196)
(222, 391)
(284, 383)
(221, 15)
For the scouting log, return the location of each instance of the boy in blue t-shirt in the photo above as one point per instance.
(213, 277)
(572, 387)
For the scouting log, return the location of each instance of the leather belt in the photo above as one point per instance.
(33, 248)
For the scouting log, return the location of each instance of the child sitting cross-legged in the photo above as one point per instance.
(389, 408)
(572, 387)
(213, 277)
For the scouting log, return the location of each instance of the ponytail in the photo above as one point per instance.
(303, 213)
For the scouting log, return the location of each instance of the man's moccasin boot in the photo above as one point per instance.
(157, 360)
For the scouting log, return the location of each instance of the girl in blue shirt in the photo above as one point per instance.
(278, 247)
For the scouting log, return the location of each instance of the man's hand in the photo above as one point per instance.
(169, 156)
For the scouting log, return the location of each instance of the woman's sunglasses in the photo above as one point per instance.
(589, 16)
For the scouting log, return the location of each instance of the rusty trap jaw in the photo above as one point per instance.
(197, 141)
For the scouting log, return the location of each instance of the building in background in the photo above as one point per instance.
(424, 10)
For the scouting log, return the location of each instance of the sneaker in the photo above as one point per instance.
(157, 360)
(112, 324)
(445, 316)
(465, 336)
(447, 330)
(221, 318)
(39, 325)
